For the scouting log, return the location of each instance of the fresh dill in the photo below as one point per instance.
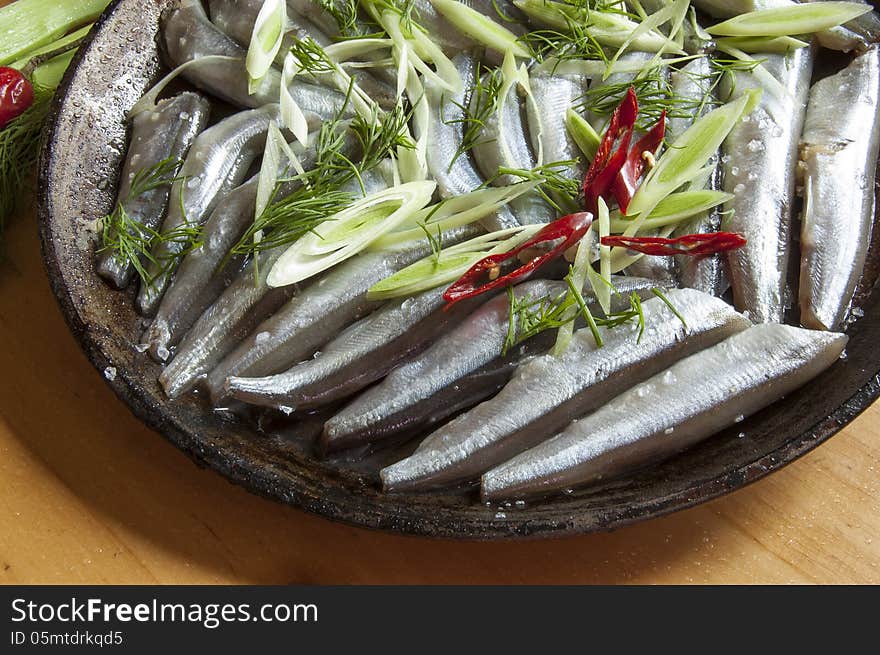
(530, 317)
(345, 13)
(653, 91)
(163, 173)
(19, 149)
(301, 202)
(554, 185)
(575, 42)
(311, 57)
(474, 115)
(132, 243)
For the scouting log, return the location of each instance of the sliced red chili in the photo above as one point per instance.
(16, 95)
(485, 274)
(627, 181)
(689, 244)
(612, 152)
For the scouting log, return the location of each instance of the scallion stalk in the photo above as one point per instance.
(27, 25)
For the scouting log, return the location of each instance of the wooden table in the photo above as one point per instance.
(90, 495)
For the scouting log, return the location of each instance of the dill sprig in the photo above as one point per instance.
(19, 149)
(528, 318)
(163, 173)
(406, 10)
(345, 13)
(319, 192)
(474, 114)
(554, 185)
(575, 42)
(654, 93)
(132, 243)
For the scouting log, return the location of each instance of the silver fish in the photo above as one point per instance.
(672, 411)
(199, 279)
(615, 82)
(453, 170)
(835, 38)
(205, 272)
(503, 143)
(462, 368)
(311, 318)
(693, 84)
(548, 392)
(759, 160)
(243, 305)
(554, 95)
(217, 162)
(360, 355)
(839, 149)
(167, 132)
(188, 35)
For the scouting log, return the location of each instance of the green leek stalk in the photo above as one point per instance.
(26, 25)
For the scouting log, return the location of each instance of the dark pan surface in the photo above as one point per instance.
(80, 163)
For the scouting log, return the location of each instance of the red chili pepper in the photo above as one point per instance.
(16, 95)
(570, 229)
(607, 163)
(689, 244)
(628, 179)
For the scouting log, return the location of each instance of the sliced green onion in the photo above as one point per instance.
(148, 101)
(292, 116)
(677, 8)
(265, 40)
(689, 154)
(349, 232)
(449, 264)
(581, 271)
(767, 80)
(512, 76)
(349, 49)
(674, 209)
(596, 68)
(763, 44)
(415, 46)
(276, 156)
(608, 28)
(455, 212)
(480, 28)
(790, 20)
(582, 133)
(27, 25)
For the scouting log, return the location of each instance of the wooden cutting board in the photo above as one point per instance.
(89, 495)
